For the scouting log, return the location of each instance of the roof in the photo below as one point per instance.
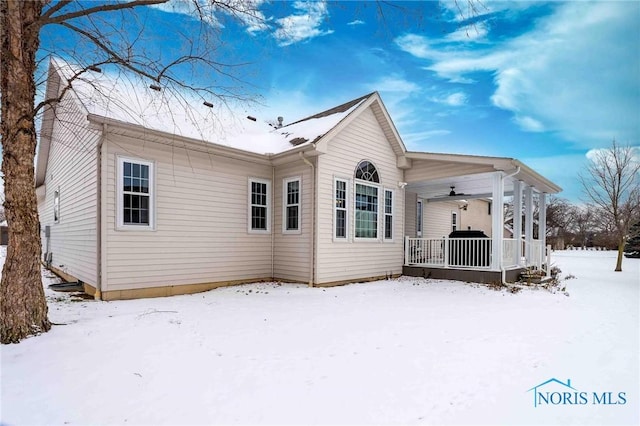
(459, 164)
(123, 98)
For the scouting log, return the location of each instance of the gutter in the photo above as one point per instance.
(312, 246)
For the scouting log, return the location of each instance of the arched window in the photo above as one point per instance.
(366, 201)
(367, 171)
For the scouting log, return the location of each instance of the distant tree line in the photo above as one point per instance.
(582, 225)
(573, 225)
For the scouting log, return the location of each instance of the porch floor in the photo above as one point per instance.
(468, 275)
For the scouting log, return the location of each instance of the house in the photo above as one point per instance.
(140, 198)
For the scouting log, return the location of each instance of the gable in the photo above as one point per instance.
(376, 106)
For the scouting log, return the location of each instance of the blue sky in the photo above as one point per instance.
(541, 82)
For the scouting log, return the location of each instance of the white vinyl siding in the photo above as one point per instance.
(410, 207)
(291, 196)
(292, 250)
(71, 177)
(259, 205)
(357, 258)
(437, 223)
(201, 220)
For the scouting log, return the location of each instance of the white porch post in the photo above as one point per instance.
(517, 219)
(497, 221)
(542, 229)
(542, 219)
(528, 220)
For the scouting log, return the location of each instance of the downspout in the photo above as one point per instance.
(98, 295)
(312, 246)
(503, 271)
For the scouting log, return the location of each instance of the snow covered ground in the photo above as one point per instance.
(405, 351)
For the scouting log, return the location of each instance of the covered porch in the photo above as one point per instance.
(507, 244)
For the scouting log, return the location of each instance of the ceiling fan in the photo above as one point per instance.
(453, 193)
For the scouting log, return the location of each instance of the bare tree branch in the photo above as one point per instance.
(45, 20)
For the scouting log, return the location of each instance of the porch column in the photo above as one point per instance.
(517, 218)
(497, 220)
(528, 220)
(542, 219)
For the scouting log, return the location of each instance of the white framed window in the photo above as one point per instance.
(366, 201)
(454, 221)
(388, 214)
(419, 219)
(259, 206)
(136, 194)
(291, 199)
(340, 216)
(56, 205)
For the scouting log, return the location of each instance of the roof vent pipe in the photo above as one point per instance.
(280, 120)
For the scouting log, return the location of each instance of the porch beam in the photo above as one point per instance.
(497, 220)
(464, 197)
(528, 220)
(517, 218)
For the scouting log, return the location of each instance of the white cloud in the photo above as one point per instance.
(415, 140)
(246, 11)
(575, 73)
(463, 10)
(417, 46)
(356, 22)
(304, 25)
(453, 99)
(528, 123)
(469, 33)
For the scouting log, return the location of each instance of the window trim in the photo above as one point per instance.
(56, 205)
(455, 225)
(120, 225)
(285, 205)
(391, 214)
(250, 230)
(378, 188)
(345, 209)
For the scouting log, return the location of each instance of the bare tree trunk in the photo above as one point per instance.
(22, 302)
(620, 253)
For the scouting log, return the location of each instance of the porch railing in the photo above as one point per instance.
(536, 254)
(510, 256)
(472, 253)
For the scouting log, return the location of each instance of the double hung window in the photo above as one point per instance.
(340, 209)
(135, 194)
(366, 200)
(291, 205)
(388, 214)
(259, 205)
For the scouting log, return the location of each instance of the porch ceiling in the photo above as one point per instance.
(471, 186)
